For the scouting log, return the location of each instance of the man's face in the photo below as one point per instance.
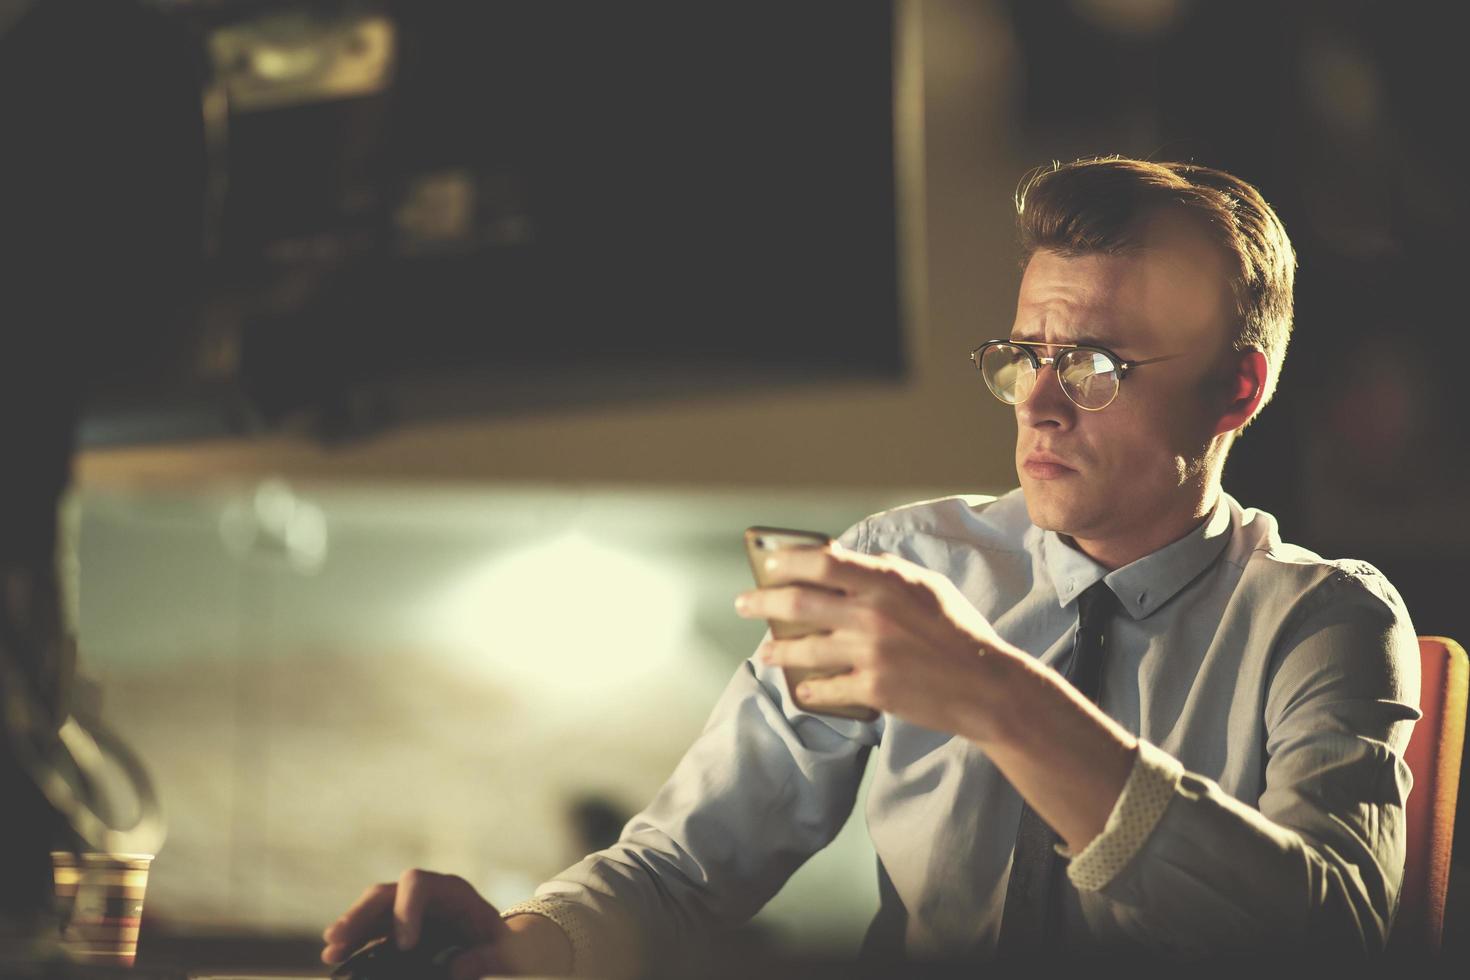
(1133, 475)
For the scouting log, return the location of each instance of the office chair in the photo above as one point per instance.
(1433, 757)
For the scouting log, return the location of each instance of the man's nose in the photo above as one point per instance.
(1047, 404)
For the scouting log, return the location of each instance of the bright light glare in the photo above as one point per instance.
(275, 525)
(281, 64)
(567, 619)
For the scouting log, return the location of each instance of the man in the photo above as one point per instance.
(1117, 658)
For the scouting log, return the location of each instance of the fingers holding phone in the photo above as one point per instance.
(760, 542)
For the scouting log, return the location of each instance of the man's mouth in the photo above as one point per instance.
(1045, 466)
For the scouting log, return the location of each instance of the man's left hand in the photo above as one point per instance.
(907, 640)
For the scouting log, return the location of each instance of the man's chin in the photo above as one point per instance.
(1048, 509)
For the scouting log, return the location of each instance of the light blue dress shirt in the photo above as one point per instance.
(1273, 690)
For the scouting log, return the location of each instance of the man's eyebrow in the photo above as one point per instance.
(1088, 339)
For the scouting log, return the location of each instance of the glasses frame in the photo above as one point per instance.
(1039, 361)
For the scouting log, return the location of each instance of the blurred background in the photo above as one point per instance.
(417, 365)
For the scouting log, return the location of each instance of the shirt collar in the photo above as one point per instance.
(1146, 584)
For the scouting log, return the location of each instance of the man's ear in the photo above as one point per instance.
(1245, 387)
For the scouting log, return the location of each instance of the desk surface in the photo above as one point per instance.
(164, 957)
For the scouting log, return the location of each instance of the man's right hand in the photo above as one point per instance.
(519, 945)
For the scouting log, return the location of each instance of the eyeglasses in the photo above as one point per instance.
(1089, 376)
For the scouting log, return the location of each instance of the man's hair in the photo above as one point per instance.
(1099, 206)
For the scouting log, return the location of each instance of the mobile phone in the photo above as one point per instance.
(761, 541)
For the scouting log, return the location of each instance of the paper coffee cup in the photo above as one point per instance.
(101, 899)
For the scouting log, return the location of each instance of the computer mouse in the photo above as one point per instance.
(381, 959)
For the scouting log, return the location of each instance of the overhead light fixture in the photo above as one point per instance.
(299, 56)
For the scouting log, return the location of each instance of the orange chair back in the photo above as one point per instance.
(1433, 757)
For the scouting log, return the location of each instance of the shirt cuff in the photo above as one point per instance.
(1145, 796)
(571, 918)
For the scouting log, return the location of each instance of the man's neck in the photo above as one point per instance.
(1115, 552)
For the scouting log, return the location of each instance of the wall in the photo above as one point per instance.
(939, 428)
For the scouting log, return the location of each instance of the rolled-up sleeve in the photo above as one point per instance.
(1319, 862)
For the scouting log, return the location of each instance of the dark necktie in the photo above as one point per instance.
(1031, 909)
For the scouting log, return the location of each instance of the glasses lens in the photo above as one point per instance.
(1088, 377)
(1008, 372)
